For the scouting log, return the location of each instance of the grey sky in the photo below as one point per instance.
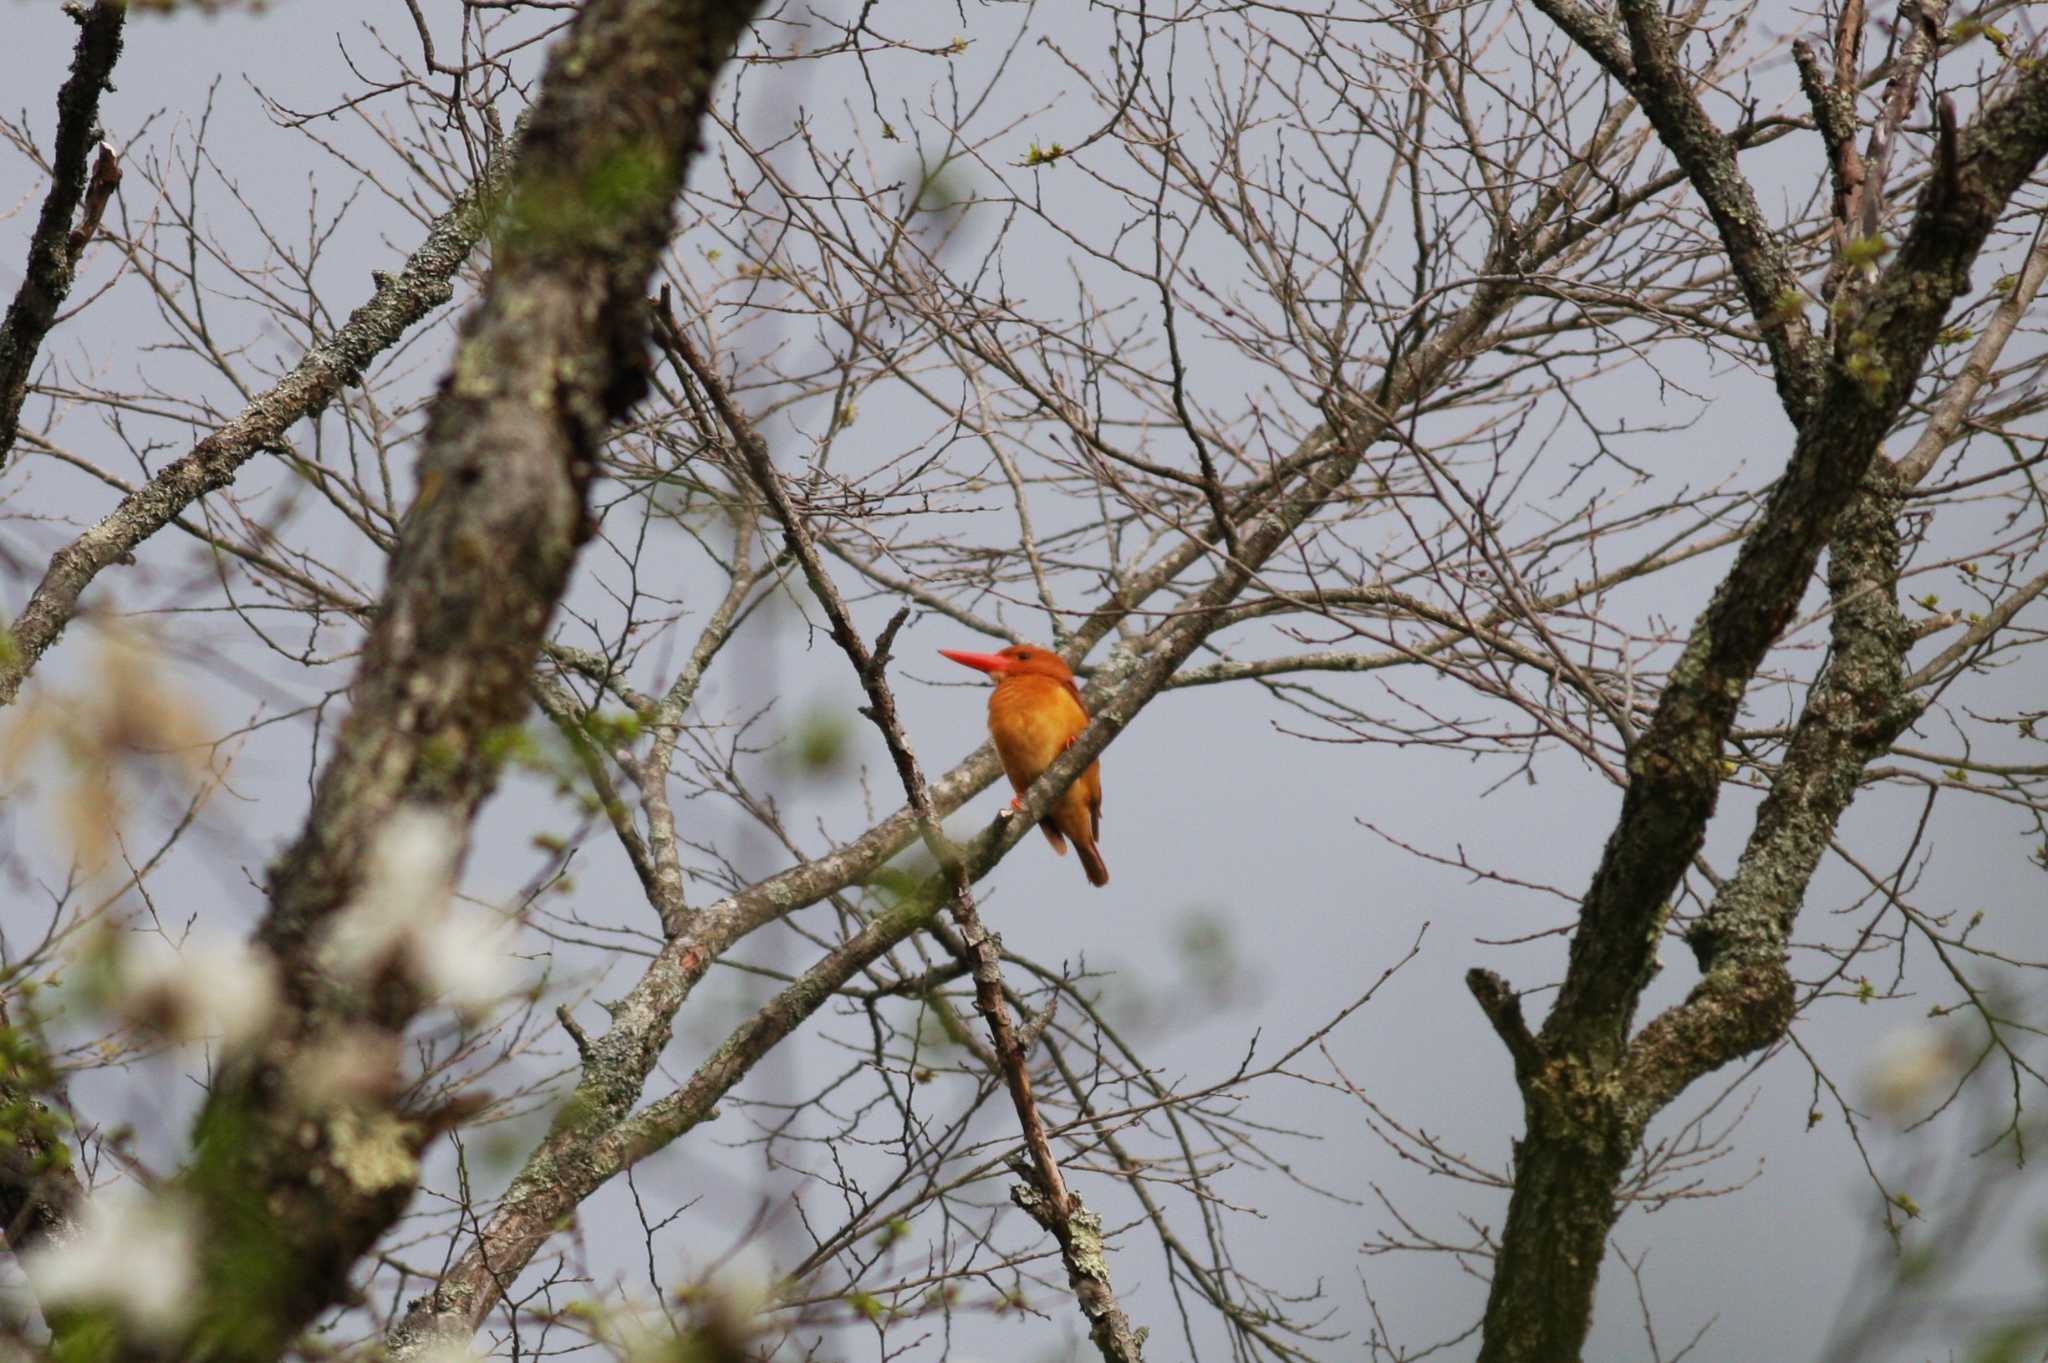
(1211, 815)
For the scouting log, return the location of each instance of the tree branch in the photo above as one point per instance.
(1923, 21)
(1855, 709)
(1956, 401)
(1644, 60)
(1675, 770)
(572, 1165)
(399, 301)
(1503, 1008)
(554, 352)
(54, 250)
(1271, 511)
(1045, 1195)
(1587, 1107)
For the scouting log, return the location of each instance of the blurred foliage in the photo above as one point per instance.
(1208, 952)
(820, 740)
(127, 716)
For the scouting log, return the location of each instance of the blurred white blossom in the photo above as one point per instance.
(1910, 1068)
(129, 1252)
(402, 916)
(449, 1351)
(726, 1305)
(406, 883)
(636, 1333)
(216, 988)
(744, 1285)
(346, 1067)
(465, 958)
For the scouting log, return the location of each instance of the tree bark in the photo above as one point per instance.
(1589, 1090)
(292, 1187)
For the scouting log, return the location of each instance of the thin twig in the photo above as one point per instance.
(1044, 1194)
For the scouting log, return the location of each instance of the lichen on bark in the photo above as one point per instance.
(1590, 1088)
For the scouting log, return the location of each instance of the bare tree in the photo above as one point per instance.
(1310, 363)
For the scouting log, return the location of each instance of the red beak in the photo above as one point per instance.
(992, 663)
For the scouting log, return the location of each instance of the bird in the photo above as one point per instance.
(1034, 715)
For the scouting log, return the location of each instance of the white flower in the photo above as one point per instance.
(1910, 1067)
(636, 1333)
(465, 958)
(729, 1300)
(207, 988)
(402, 917)
(130, 1252)
(348, 1067)
(744, 1285)
(449, 1351)
(410, 871)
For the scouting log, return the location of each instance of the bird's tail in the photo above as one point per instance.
(1091, 862)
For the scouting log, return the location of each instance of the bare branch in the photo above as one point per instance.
(54, 250)
(1650, 70)
(399, 302)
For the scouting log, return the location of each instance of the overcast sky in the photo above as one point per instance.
(1214, 822)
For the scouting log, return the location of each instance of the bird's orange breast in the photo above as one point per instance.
(1032, 719)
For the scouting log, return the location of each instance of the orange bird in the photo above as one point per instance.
(1034, 715)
